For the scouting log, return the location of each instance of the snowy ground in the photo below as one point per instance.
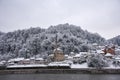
(73, 66)
(58, 64)
(112, 67)
(84, 65)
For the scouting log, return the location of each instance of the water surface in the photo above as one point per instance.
(60, 77)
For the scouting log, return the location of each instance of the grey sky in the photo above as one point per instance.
(101, 16)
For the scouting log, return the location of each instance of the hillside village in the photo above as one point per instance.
(107, 56)
(62, 45)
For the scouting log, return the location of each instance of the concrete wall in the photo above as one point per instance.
(61, 71)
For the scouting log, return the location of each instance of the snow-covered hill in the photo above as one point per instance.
(115, 40)
(33, 41)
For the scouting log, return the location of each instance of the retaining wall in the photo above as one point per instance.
(61, 71)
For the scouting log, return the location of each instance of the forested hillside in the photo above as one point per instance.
(34, 41)
(115, 40)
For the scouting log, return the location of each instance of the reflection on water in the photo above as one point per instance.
(60, 77)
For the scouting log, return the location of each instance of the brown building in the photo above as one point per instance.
(58, 55)
(110, 50)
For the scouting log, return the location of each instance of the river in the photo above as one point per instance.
(60, 77)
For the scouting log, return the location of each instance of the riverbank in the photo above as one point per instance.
(61, 71)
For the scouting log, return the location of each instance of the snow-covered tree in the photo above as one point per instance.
(115, 40)
(97, 61)
(35, 41)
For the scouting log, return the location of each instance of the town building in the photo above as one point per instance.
(58, 55)
(110, 50)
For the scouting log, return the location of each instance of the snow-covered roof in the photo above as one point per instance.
(94, 44)
(108, 54)
(68, 61)
(77, 55)
(117, 58)
(11, 60)
(69, 57)
(100, 51)
(71, 52)
(39, 59)
(16, 59)
(101, 47)
(32, 58)
(29, 65)
(58, 49)
(26, 59)
(83, 53)
(51, 55)
(117, 49)
(2, 62)
(84, 65)
(58, 64)
(66, 55)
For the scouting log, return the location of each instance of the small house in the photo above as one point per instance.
(109, 55)
(39, 61)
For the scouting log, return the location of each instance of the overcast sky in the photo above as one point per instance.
(101, 16)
